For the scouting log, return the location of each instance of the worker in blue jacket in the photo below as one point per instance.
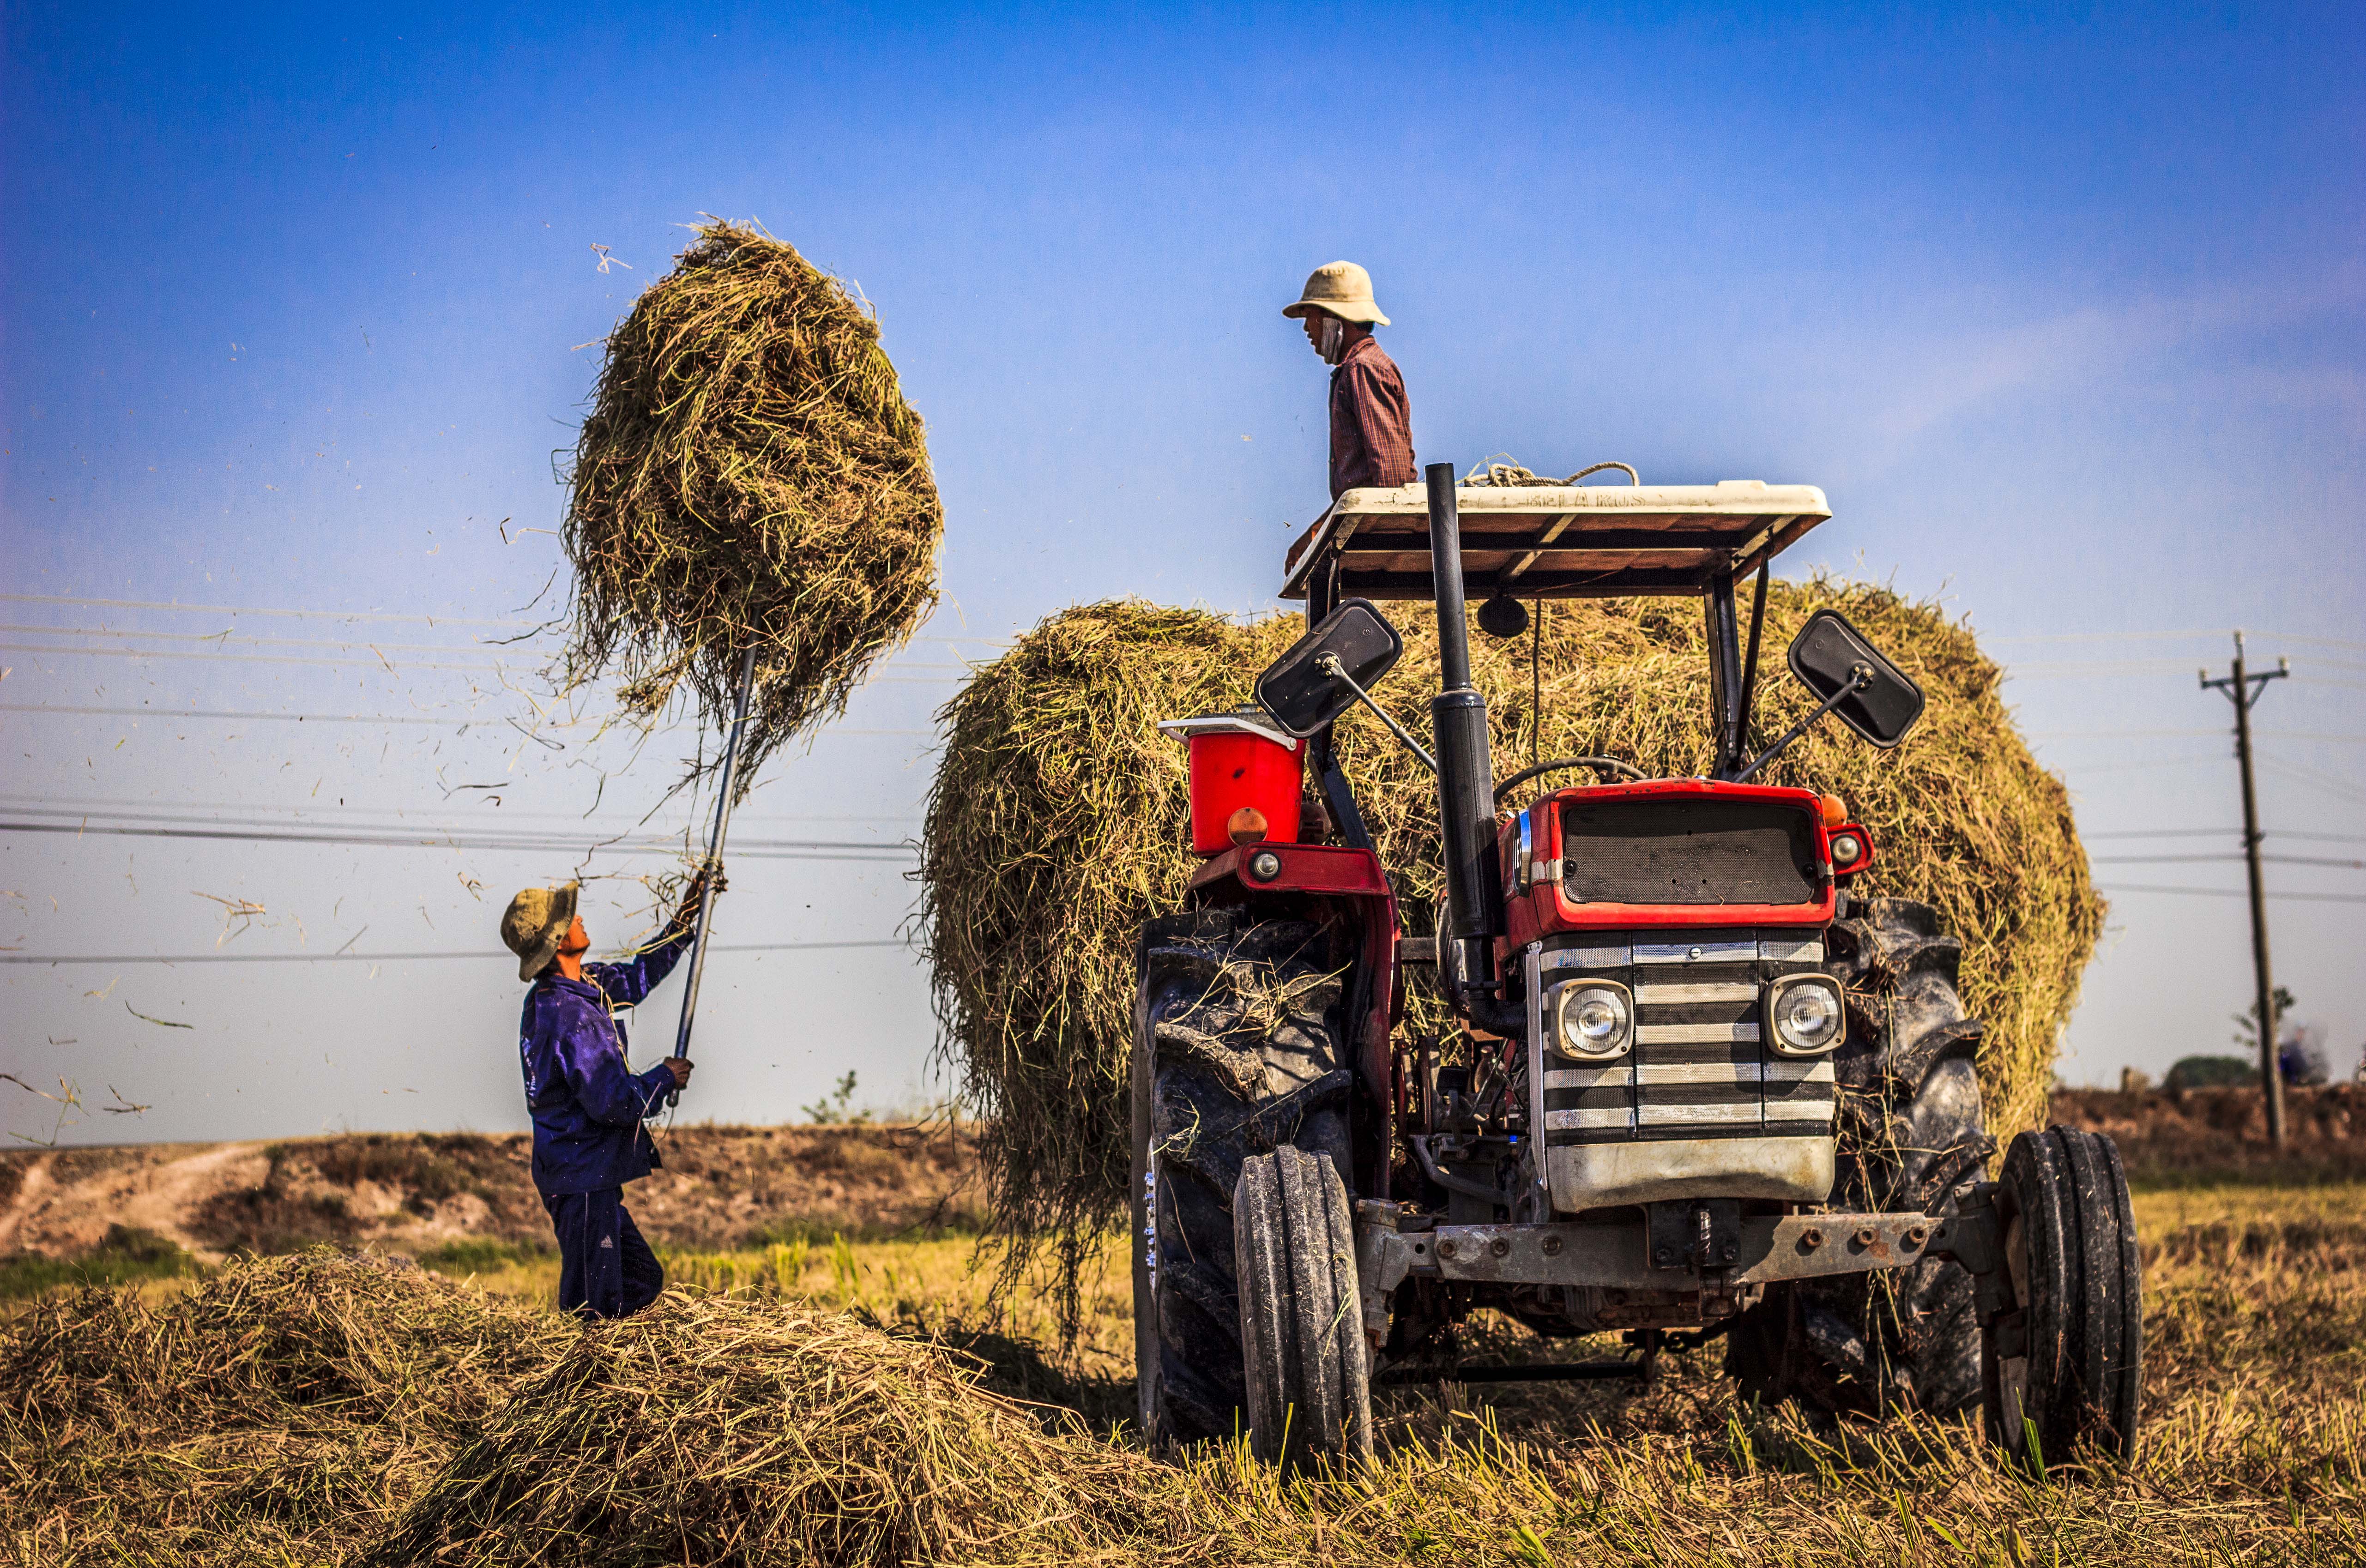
(587, 1103)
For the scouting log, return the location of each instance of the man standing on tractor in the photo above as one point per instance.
(1371, 424)
(587, 1106)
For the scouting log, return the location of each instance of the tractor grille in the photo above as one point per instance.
(1698, 1068)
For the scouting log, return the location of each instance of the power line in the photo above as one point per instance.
(233, 713)
(2188, 860)
(413, 618)
(2210, 833)
(439, 832)
(225, 640)
(551, 844)
(351, 717)
(247, 657)
(407, 664)
(2170, 637)
(249, 610)
(2329, 780)
(104, 806)
(384, 957)
(2238, 893)
(2185, 733)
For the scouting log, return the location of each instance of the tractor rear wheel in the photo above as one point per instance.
(1239, 1050)
(2062, 1370)
(1911, 1136)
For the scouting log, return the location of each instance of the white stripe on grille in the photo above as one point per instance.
(1818, 1071)
(1799, 1110)
(1649, 1074)
(1704, 991)
(1588, 1121)
(1690, 1115)
(1782, 950)
(1695, 1033)
(1695, 951)
(1589, 1078)
(1590, 958)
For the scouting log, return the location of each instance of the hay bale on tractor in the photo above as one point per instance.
(750, 476)
(1058, 827)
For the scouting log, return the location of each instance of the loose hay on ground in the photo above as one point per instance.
(300, 1401)
(1057, 826)
(714, 1429)
(2254, 1451)
(750, 474)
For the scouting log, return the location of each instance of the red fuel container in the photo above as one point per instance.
(1239, 759)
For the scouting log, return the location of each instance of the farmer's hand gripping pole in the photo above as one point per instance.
(714, 858)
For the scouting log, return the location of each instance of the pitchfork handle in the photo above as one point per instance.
(713, 858)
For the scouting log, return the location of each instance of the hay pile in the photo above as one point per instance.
(733, 1429)
(1057, 826)
(287, 1410)
(750, 474)
(329, 1408)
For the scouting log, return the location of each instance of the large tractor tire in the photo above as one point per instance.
(1240, 1049)
(2063, 1368)
(1911, 1136)
(1309, 1377)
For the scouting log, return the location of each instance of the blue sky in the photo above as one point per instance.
(2063, 308)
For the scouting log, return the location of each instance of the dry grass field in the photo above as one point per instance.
(408, 1418)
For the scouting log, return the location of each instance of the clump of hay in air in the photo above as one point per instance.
(750, 474)
(1058, 825)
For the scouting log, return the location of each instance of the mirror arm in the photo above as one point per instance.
(1330, 665)
(1345, 816)
(1859, 678)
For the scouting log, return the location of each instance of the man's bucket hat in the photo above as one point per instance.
(1344, 289)
(535, 923)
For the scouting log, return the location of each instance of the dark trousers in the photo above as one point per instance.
(605, 1270)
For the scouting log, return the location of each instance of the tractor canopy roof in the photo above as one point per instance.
(1555, 541)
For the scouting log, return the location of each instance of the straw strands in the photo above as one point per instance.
(1058, 827)
(334, 1410)
(345, 1407)
(750, 474)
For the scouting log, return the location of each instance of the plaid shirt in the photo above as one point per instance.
(1371, 424)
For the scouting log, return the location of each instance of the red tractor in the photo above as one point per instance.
(1701, 1089)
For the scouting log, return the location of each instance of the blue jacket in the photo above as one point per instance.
(587, 1107)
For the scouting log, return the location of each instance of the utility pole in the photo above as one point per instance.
(2243, 689)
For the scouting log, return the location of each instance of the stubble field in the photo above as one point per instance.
(821, 1401)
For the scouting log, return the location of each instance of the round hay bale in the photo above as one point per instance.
(1057, 826)
(750, 474)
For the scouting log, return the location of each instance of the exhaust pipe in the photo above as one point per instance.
(1466, 767)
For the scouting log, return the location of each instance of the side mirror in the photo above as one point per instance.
(1302, 691)
(1862, 689)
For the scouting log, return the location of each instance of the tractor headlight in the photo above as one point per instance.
(1595, 1018)
(1804, 1011)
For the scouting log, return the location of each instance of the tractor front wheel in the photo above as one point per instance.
(2062, 1368)
(1309, 1381)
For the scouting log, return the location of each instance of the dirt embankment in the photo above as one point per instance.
(722, 1187)
(727, 1186)
(2198, 1136)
